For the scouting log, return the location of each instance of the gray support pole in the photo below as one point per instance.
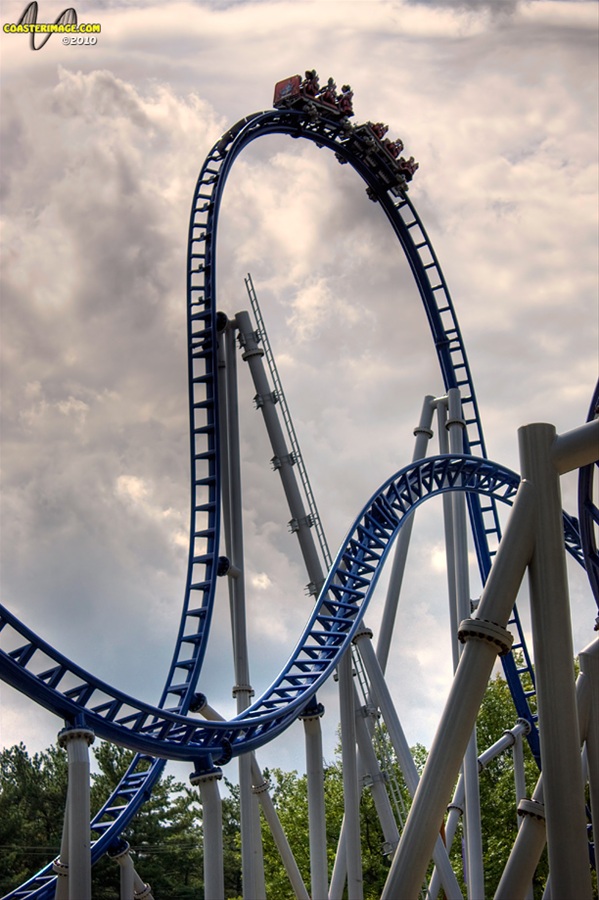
(576, 448)
(260, 789)
(122, 857)
(77, 742)
(518, 758)
(474, 843)
(351, 795)
(520, 788)
(251, 843)
(282, 461)
(382, 698)
(450, 548)
(589, 667)
(369, 772)
(554, 671)
(319, 871)
(60, 865)
(339, 872)
(368, 766)
(486, 636)
(456, 807)
(532, 835)
(131, 885)
(270, 814)
(528, 847)
(243, 690)
(423, 435)
(214, 881)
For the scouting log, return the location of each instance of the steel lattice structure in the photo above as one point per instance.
(166, 731)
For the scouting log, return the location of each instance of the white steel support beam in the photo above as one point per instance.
(122, 858)
(282, 459)
(532, 835)
(554, 670)
(450, 549)
(576, 448)
(131, 885)
(212, 822)
(251, 844)
(474, 844)
(317, 826)
(382, 697)
(260, 789)
(60, 865)
(423, 434)
(77, 741)
(351, 794)
(456, 807)
(486, 635)
(528, 847)
(369, 770)
(339, 873)
(589, 668)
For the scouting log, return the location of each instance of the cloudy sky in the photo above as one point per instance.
(101, 146)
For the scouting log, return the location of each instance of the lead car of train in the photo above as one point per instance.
(368, 141)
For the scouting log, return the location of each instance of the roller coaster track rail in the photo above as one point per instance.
(166, 730)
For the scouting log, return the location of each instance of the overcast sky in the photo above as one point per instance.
(101, 146)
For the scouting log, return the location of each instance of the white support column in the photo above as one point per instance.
(456, 807)
(381, 696)
(122, 857)
(282, 460)
(530, 841)
(554, 671)
(60, 865)
(589, 667)
(77, 742)
(214, 880)
(131, 885)
(486, 636)
(260, 790)
(319, 871)
(448, 526)
(339, 873)
(474, 846)
(423, 434)
(351, 795)
(369, 774)
(520, 788)
(528, 847)
(251, 843)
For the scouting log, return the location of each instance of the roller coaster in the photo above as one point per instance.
(335, 640)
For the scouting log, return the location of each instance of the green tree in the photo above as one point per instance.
(165, 836)
(32, 790)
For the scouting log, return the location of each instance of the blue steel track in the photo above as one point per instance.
(166, 731)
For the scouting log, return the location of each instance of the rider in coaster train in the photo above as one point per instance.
(310, 85)
(328, 94)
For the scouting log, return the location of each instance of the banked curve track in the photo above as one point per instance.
(166, 731)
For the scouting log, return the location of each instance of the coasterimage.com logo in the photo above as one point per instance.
(73, 31)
